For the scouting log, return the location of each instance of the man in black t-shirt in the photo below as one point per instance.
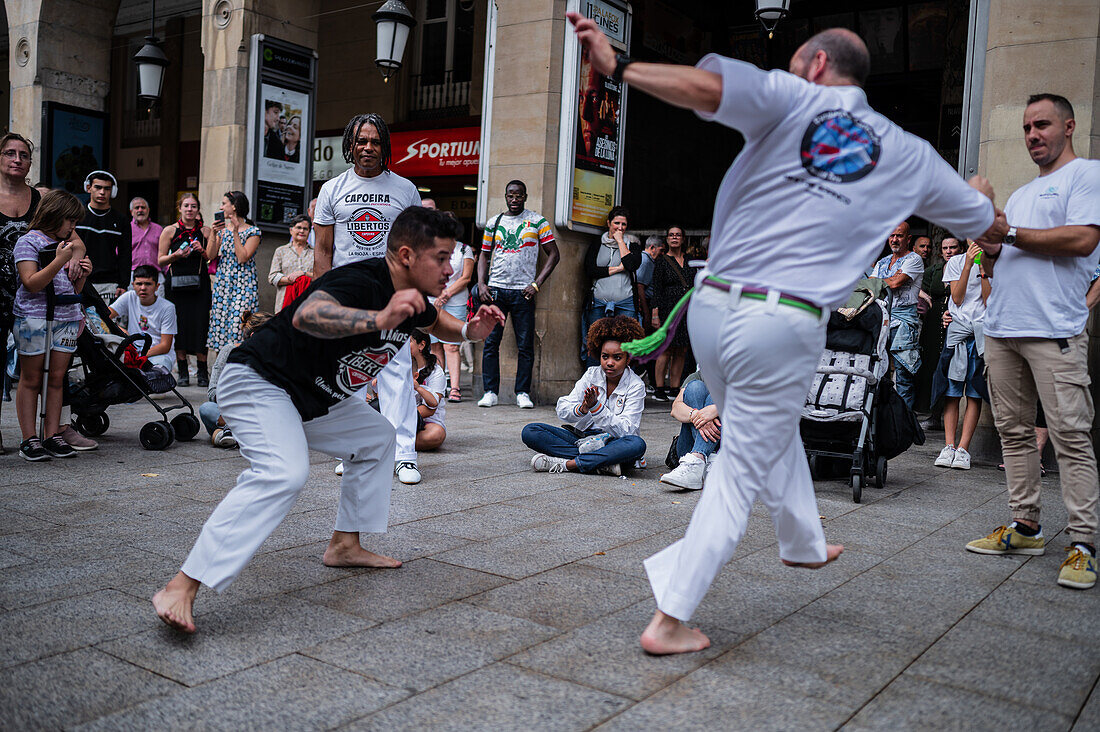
(285, 391)
(107, 235)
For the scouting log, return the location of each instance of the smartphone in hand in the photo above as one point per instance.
(219, 217)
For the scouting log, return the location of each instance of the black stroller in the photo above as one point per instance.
(100, 377)
(838, 419)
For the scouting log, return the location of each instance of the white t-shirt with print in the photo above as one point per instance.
(157, 319)
(1034, 295)
(514, 242)
(911, 264)
(821, 182)
(361, 211)
(459, 256)
(972, 309)
(437, 384)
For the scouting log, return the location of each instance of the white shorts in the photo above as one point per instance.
(30, 335)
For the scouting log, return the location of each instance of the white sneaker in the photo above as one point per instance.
(523, 401)
(947, 457)
(640, 464)
(610, 469)
(962, 459)
(407, 472)
(339, 469)
(689, 474)
(223, 437)
(546, 464)
(489, 400)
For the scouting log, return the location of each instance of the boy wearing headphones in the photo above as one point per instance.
(106, 234)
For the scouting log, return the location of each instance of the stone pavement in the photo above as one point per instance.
(521, 600)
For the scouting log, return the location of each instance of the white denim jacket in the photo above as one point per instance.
(619, 413)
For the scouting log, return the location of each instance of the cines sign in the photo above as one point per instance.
(454, 151)
(609, 18)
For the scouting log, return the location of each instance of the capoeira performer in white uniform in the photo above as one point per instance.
(292, 387)
(801, 213)
(354, 213)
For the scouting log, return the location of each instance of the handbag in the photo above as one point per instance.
(672, 460)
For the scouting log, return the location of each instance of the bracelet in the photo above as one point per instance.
(464, 327)
(535, 285)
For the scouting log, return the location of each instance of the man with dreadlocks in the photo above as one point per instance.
(354, 213)
(821, 181)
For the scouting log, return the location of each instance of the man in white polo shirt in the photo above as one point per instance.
(354, 213)
(801, 213)
(1035, 340)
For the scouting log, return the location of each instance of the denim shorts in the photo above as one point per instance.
(30, 335)
(457, 309)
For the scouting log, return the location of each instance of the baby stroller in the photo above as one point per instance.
(104, 373)
(838, 419)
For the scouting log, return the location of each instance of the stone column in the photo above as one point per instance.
(1039, 47)
(59, 51)
(526, 104)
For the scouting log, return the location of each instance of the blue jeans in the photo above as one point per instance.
(522, 310)
(560, 442)
(696, 396)
(208, 415)
(600, 309)
(905, 383)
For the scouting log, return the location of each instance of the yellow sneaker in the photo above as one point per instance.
(1006, 540)
(1079, 569)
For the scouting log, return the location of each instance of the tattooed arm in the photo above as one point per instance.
(322, 315)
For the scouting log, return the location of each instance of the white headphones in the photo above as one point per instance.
(99, 174)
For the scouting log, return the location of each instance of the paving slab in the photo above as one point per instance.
(424, 650)
(311, 696)
(70, 688)
(498, 698)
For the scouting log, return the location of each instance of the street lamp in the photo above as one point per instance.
(770, 12)
(394, 22)
(151, 63)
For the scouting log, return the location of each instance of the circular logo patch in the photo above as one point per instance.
(839, 148)
(367, 226)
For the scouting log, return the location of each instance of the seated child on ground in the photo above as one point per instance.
(699, 434)
(608, 398)
(429, 384)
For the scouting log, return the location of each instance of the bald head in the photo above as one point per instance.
(833, 56)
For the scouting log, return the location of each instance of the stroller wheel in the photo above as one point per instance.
(185, 426)
(880, 472)
(812, 460)
(156, 435)
(857, 487)
(93, 425)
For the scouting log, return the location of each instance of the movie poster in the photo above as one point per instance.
(283, 154)
(597, 143)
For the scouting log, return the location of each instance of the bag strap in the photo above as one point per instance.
(492, 245)
(679, 272)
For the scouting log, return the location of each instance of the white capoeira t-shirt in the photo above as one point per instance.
(361, 211)
(821, 182)
(1035, 295)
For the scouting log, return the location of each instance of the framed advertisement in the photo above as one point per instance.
(592, 125)
(281, 103)
(74, 144)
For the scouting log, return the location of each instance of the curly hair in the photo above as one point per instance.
(616, 328)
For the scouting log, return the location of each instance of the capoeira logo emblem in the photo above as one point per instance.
(355, 370)
(839, 148)
(368, 227)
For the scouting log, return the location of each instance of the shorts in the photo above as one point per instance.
(30, 335)
(457, 309)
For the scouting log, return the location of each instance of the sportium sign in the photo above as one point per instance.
(453, 151)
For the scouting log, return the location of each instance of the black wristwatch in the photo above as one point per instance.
(621, 62)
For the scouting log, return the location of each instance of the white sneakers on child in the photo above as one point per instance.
(947, 456)
(689, 474)
(962, 459)
(548, 464)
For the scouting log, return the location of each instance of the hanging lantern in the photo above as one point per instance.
(151, 63)
(394, 21)
(770, 12)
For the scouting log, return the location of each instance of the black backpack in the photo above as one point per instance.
(896, 426)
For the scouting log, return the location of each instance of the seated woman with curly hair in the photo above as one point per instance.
(607, 400)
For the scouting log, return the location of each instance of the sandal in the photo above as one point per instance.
(455, 395)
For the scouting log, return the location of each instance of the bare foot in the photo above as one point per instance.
(832, 551)
(665, 635)
(173, 604)
(356, 556)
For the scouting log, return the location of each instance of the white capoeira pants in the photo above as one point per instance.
(276, 443)
(397, 401)
(758, 359)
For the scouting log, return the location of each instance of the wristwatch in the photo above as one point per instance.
(621, 62)
(1010, 237)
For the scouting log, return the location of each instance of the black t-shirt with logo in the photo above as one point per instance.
(318, 373)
